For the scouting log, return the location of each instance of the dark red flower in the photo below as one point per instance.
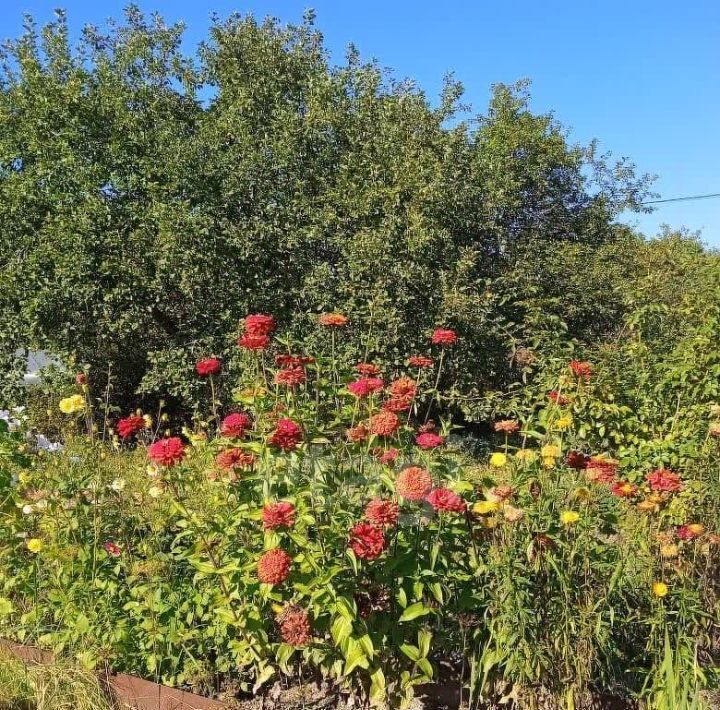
(444, 499)
(444, 337)
(274, 566)
(287, 435)
(278, 515)
(259, 324)
(130, 426)
(232, 459)
(382, 512)
(112, 549)
(388, 457)
(428, 440)
(367, 369)
(81, 379)
(294, 625)
(249, 341)
(413, 483)
(286, 360)
(420, 361)
(581, 369)
(208, 366)
(235, 425)
(367, 541)
(690, 531)
(664, 480)
(576, 460)
(365, 386)
(291, 376)
(167, 452)
(384, 423)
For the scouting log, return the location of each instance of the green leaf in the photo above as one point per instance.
(414, 611)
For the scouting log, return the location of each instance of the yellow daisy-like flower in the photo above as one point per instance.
(569, 517)
(34, 544)
(548, 461)
(550, 451)
(669, 550)
(71, 405)
(498, 460)
(483, 507)
(581, 494)
(564, 423)
(659, 589)
(525, 455)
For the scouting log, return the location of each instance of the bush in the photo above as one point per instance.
(329, 529)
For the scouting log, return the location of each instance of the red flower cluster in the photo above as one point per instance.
(294, 625)
(274, 566)
(333, 320)
(235, 425)
(429, 440)
(287, 435)
(290, 376)
(382, 512)
(232, 459)
(259, 324)
(208, 366)
(664, 480)
(420, 361)
(445, 500)
(444, 336)
(167, 452)
(365, 386)
(413, 483)
(367, 541)
(384, 423)
(367, 369)
(581, 369)
(129, 426)
(278, 515)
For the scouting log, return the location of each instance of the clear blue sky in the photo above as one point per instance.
(640, 76)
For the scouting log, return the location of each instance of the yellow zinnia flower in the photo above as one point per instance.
(548, 462)
(35, 544)
(498, 460)
(550, 451)
(569, 517)
(563, 423)
(669, 550)
(659, 589)
(71, 405)
(483, 507)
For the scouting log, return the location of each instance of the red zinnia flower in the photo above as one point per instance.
(506, 426)
(286, 360)
(413, 483)
(444, 336)
(259, 324)
(576, 460)
(290, 376)
(420, 361)
(232, 459)
(274, 566)
(403, 387)
(384, 423)
(428, 440)
(367, 369)
(367, 541)
(365, 386)
(445, 499)
(112, 549)
(599, 470)
(130, 425)
(235, 424)
(333, 320)
(167, 452)
(287, 435)
(581, 369)
(278, 515)
(397, 404)
(389, 456)
(623, 489)
(664, 480)
(81, 379)
(250, 341)
(357, 433)
(382, 512)
(560, 399)
(294, 625)
(208, 366)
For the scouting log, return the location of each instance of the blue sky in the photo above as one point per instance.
(640, 76)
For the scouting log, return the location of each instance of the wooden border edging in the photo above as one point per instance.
(131, 691)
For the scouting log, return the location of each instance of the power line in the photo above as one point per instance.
(683, 199)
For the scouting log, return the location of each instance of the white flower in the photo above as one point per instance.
(118, 484)
(27, 509)
(155, 491)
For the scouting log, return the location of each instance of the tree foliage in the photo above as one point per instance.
(150, 198)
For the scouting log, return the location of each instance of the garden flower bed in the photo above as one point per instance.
(319, 525)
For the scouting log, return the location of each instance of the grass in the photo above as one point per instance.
(49, 687)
